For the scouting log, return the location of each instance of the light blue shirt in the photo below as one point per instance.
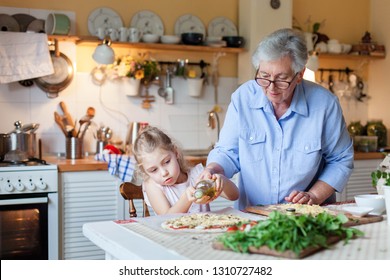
(309, 142)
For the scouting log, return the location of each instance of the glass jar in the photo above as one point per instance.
(355, 128)
(377, 128)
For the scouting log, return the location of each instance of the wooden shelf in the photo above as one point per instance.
(349, 56)
(159, 46)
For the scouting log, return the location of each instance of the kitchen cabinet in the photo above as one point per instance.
(360, 180)
(84, 197)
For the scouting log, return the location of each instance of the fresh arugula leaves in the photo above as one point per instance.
(283, 232)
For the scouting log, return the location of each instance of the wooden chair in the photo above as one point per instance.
(129, 191)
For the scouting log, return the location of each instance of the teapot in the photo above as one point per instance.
(311, 40)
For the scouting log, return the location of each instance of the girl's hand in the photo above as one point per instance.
(190, 194)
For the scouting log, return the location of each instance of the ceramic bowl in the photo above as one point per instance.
(150, 38)
(375, 201)
(234, 41)
(192, 38)
(357, 210)
(170, 39)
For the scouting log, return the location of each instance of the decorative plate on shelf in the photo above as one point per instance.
(37, 26)
(23, 20)
(220, 27)
(148, 23)
(8, 23)
(189, 24)
(103, 17)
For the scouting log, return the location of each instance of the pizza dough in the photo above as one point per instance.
(203, 222)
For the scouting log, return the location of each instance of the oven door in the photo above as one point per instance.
(24, 227)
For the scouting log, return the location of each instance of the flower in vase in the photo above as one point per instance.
(142, 68)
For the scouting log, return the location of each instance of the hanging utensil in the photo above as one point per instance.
(62, 76)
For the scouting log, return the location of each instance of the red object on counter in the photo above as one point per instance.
(112, 149)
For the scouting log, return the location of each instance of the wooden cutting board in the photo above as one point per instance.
(287, 254)
(353, 220)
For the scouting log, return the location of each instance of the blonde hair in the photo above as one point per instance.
(151, 138)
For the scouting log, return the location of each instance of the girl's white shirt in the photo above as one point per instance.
(174, 192)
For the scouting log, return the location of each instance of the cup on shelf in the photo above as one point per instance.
(113, 33)
(334, 46)
(57, 24)
(134, 35)
(101, 33)
(123, 34)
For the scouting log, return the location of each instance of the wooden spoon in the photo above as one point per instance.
(60, 123)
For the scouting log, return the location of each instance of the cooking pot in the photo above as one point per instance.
(20, 144)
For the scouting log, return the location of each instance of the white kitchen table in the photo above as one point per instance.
(125, 240)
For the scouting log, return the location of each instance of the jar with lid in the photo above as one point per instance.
(377, 128)
(204, 191)
(355, 128)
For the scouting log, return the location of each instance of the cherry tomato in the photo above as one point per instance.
(232, 228)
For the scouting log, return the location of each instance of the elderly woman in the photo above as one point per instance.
(285, 136)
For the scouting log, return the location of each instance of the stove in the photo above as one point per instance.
(32, 176)
(29, 210)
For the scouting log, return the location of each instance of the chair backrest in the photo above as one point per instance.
(129, 191)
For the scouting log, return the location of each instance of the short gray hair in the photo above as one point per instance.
(280, 43)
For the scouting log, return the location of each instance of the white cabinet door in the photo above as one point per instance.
(360, 180)
(86, 197)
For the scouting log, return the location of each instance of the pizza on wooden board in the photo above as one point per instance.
(203, 222)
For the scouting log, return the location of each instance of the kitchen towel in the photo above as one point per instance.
(121, 166)
(24, 56)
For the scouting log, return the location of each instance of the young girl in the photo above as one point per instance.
(168, 183)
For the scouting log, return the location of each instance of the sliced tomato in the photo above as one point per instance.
(232, 228)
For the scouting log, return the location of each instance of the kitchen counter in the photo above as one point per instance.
(363, 156)
(137, 240)
(90, 164)
(70, 165)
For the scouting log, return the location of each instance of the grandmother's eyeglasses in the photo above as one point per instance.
(277, 83)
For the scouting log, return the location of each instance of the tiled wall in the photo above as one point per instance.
(185, 120)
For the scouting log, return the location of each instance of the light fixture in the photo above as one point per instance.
(311, 66)
(103, 53)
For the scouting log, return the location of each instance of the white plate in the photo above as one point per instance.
(221, 26)
(189, 24)
(148, 22)
(357, 210)
(103, 17)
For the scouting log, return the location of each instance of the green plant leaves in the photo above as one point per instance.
(283, 232)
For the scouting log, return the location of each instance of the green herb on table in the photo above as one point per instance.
(283, 232)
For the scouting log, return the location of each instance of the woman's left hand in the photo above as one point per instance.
(301, 197)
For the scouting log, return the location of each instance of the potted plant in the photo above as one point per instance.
(136, 70)
(381, 176)
(195, 83)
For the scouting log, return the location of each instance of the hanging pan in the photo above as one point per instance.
(62, 76)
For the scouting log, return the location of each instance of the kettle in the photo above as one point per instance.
(132, 133)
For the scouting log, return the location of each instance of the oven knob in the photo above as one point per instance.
(9, 187)
(31, 185)
(42, 185)
(20, 186)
